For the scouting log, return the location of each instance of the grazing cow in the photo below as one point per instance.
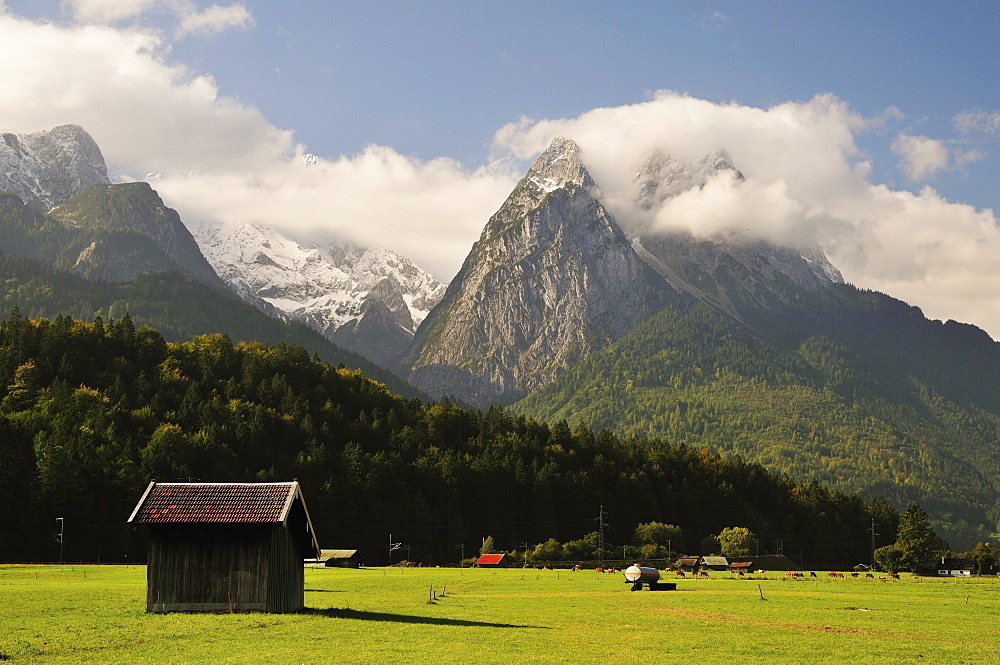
(854, 574)
(812, 574)
(679, 573)
(869, 575)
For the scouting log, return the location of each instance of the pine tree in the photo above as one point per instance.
(916, 539)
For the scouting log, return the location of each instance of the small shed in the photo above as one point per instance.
(225, 547)
(714, 563)
(741, 567)
(688, 564)
(493, 561)
(337, 559)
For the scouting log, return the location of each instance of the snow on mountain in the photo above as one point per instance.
(46, 168)
(330, 289)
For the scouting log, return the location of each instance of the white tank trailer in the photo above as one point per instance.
(637, 576)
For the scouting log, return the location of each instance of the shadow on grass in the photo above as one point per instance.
(339, 613)
(325, 591)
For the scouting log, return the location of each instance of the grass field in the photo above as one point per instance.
(95, 614)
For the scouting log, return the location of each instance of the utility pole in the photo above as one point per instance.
(392, 548)
(525, 553)
(62, 525)
(600, 533)
(873, 544)
(461, 547)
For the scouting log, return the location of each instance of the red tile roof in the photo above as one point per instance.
(215, 503)
(489, 559)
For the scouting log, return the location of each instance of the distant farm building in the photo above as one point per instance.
(688, 564)
(493, 561)
(714, 563)
(225, 547)
(741, 567)
(337, 559)
(949, 567)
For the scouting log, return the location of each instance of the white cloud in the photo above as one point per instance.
(223, 161)
(714, 20)
(107, 11)
(978, 121)
(190, 19)
(806, 182)
(430, 211)
(146, 114)
(215, 19)
(920, 157)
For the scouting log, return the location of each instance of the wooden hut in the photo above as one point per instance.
(714, 563)
(336, 559)
(225, 547)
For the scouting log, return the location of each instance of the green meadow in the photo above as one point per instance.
(95, 614)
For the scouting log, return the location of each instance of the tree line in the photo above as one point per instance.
(853, 388)
(91, 412)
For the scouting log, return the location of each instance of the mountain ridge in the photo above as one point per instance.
(551, 278)
(368, 300)
(46, 168)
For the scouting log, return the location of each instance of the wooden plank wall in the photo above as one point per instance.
(223, 568)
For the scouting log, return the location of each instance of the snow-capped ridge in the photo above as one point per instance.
(48, 167)
(332, 288)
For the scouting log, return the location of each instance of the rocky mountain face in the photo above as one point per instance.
(127, 231)
(661, 177)
(46, 168)
(738, 275)
(551, 279)
(367, 300)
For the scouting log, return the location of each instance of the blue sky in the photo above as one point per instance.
(426, 112)
(439, 78)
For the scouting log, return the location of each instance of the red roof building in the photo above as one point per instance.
(225, 547)
(492, 561)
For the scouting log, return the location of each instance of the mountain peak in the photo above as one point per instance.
(48, 167)
(367, 300)
(551, 279)
(660, 176)
(559, 167)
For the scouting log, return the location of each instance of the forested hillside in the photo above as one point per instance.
(90, 412)
(854, 388)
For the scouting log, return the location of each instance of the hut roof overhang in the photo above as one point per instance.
(223, 503)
